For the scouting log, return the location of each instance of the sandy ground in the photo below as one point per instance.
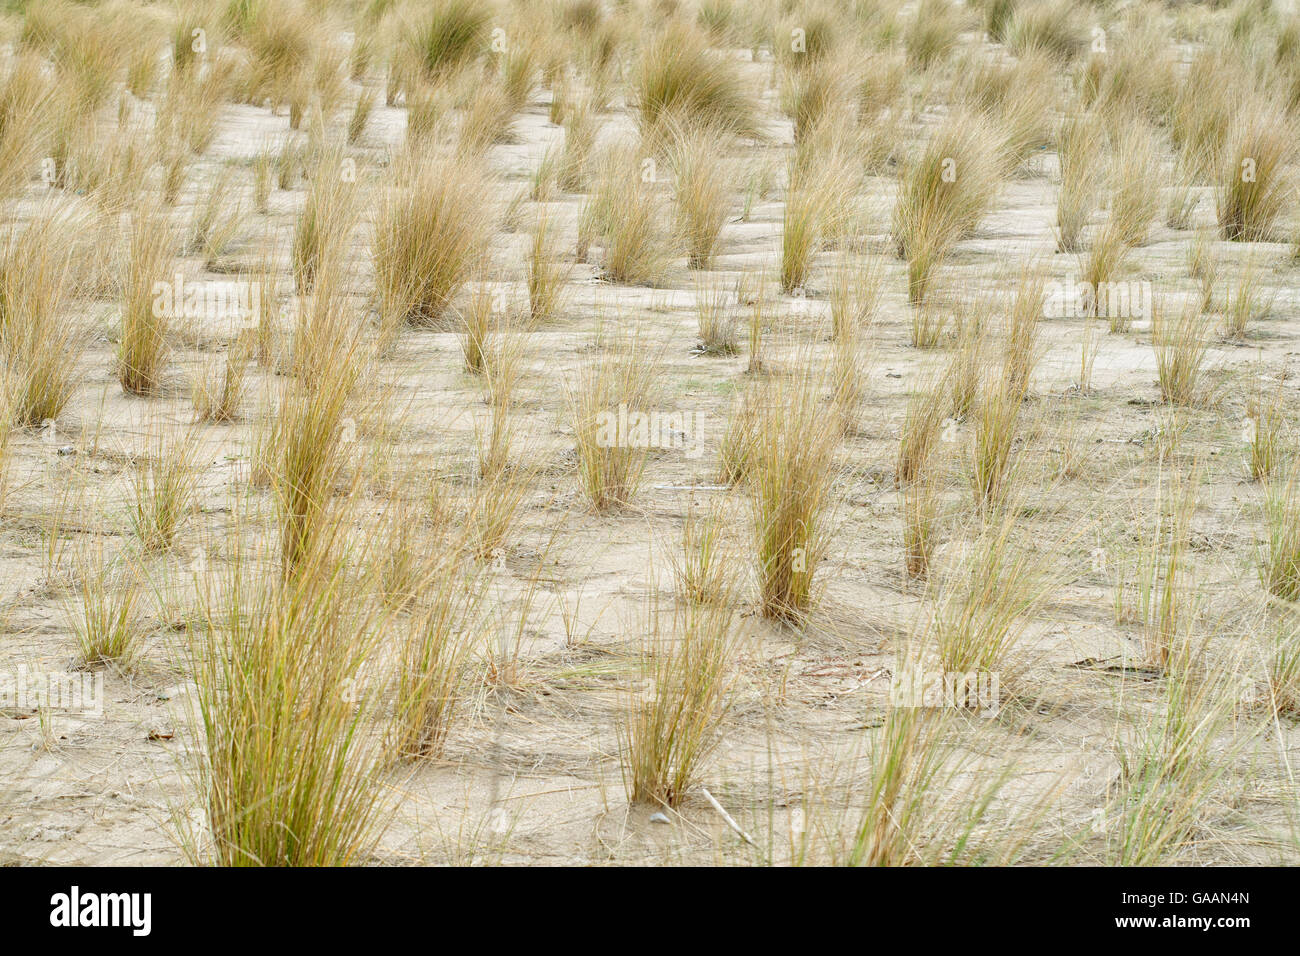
(532, 775)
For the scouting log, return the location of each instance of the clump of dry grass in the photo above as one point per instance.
(263, 167)
(931, 35)
(163, 489)
(1057, 28)
(1182, 200)
(89, 49)
(502, 366)
(626, 214)
(822, 183)
(362, 56)
(1284, 669)
(481, 319)
(805, 209)
(1022, 350)
(1244, 303)
(142, 352)
(668, 732)
(108, 167)
(192, 106)
(1181, 345)
(810, 37)
(881, 85)
(215, 220)
(815, 90)
(1203, 267)
(519, 68)
(1081, 147)
(542, 187)
(926, 326)
(735, 451)
(287, 775)
(1265, 434)
(1202, 113)
(361, 111)
(1020, 99)
(983, 607)
(1100, 267)
(714, 317)
(40, 343)
(546, 273)
(488, 120)
(1279, 560)
(434, 657)
(448, 38)
(324, 226)
(188, 40)
(1135, 74)
(1172, 770)
(855, 296)
(920, 508)
(1152, 591)
(996, 421)
(105, 620)
(830, 156)
(1251, 19)
(702, 567)
(998, 15)
(610, 463)
(288, 162)
(848, 378)
(307, 439)
(399, 569)
(965, 369)
(679, 81)
(722, 21)
(218, 395)
(791, 476)
(175, 166)
(67, 138)
(24, 94)
(582, 124)
(943, 196)
(326, 78)
(500, 489)
(922, 425)
(703, 193)
(429, 234)
(1254, 187)
(924, 805)
(263, 343)
(1135, 187)
(280, 41)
